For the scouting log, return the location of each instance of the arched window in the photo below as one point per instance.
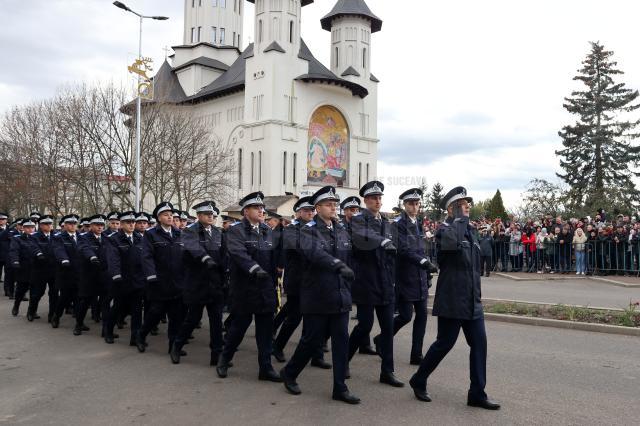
(294, 172)
(364, 58)
(337, 60)
(253, 166)
(260, 30)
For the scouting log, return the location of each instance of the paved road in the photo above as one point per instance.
(574, 292)
(541, 375)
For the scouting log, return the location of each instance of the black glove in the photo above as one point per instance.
(346, 272)
(260, 273)
(210, 263)
(429, 267)
(389, 247)
(95, 261)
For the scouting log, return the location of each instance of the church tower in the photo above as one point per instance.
(217, 22)
(351, 24)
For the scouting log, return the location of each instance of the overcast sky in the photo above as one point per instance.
(471, 91)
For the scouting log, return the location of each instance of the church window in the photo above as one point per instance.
(293, 169)
(214, 35)
(193, 34)
(233, 40)
(193, 3)
(239, 41)
(290, 31)
(260, 31)
(350, 55)
(222, 36)
(360, 175)
(364, 58)
(199, 33)
(337, 60)
(259, 167)
(240, 168)
(284, 168)
(367, 172)
(200, 3)
(235, 5)
(253, 165)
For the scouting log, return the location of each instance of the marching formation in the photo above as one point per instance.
(169, 267)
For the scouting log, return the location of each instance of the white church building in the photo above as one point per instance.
(294, 124)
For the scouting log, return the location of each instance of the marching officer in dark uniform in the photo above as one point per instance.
(253, 271)
(162, 251)
(43, 271)
(350, 207)
(294, 270)
(114, 223)
(84, 226)
(20, 257)
(93, 272)
(5, 243)
(142, 222)
(203, 281)
(325, 295)
(373, 289)
(413, 272)
(457, 302)
(65, 250)
(124, 263)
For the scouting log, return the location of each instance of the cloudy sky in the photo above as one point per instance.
(471, 91)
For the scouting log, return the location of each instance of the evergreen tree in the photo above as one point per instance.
(599, 159)
(495, 208)
(424, 200)
(435, 198)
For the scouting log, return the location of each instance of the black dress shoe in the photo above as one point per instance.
(415, 361)
(36, 316)
(347, 397)
(120, 325)
(49, 317)
(84, 328)
(30, 317)
(132, 342)
(77, 331)
(222, 368)
(325, 348)
(140, 343)
(278, 355)
(154, 331)
(486, 404)
(320, 363)
(390, 379)
(109, 340)
(367, 350)
(25, 299)
(174, 353)
(55, 321)
(14, 311)
(269, 376)
(290, 384)
(420, 393)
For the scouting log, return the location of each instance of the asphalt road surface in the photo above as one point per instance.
(540, 375)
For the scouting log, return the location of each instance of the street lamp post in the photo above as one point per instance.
(139, 99)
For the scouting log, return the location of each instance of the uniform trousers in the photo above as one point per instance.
(264, 334)
(192, 319)
(405, 312)
(364, 326)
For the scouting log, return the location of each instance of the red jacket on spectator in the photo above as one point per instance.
(529, 242)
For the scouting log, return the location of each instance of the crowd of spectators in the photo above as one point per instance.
(598, 245)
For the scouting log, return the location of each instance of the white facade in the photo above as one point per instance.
(266, 114)
(218, 22)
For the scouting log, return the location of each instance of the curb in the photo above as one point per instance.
(567, 325)
(552, 277)
(526, 302)
(614, 282)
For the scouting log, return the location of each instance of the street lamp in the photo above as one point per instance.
(139, 100)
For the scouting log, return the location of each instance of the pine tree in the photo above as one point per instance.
(435, 199)
(424, 200)
(599, 158)
(496, 209)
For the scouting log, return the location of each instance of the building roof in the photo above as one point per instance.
(304, 2)
(320, 73)
(230, 81)
(166, 89)
(274, 46)
(351, 8)
(206, 62)
(350, 71)
(374, 79)
(203, 43)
